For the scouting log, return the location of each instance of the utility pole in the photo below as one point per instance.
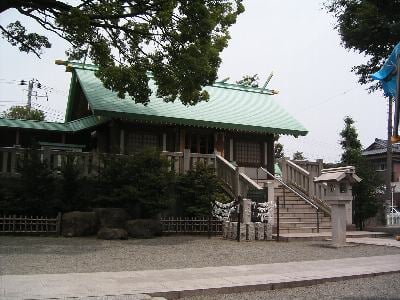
(30, 88)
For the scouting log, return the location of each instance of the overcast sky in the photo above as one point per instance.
(294, 39)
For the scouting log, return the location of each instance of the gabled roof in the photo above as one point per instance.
(230, 107)
(379, 147)
(73, 126)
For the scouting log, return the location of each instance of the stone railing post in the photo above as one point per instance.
(311, 185)
(186, 160)
(271, 200)
(236, 183)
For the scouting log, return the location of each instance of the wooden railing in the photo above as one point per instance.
(29, 224)
(91, 162)
(235, 181)
(303, 181)
(11, 158)
(181, 162)
(191, 225)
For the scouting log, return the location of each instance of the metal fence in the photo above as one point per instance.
(191, 225)
(29, 224)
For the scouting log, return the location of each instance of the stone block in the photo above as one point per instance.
(268, 232)
(250, 235)
(225, 229)
(243, 232)
(79, 223)
(112, 217)
(233, 230)
(259, 231)
(106, 233)
(246, 211)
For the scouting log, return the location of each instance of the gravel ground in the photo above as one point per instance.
(40, 255)
(378, 287)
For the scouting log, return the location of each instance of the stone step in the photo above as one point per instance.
(297, 205)
(304, 230)
(303, 224)
(297, 201)
(308, 210)
(303, 219)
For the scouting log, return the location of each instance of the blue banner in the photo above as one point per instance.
(387, 74)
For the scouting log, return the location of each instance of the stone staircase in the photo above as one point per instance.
(298, 216)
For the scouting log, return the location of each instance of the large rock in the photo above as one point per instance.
(112, 234)
(112, 217)
(78, 223)
(144, 228)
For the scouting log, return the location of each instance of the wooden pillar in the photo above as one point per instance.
(63, 138)
(114, 138)
(219, 143)
(230, 149)
(265, 153)
(270, 155)
(122, 142)
(17, 137)
(164, 142)
(182, 134)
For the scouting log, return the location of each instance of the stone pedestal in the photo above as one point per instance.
(246, 211)
(233, 231)
(338, 217)
(225, 229)
(250, 234)
(268, 232)
(259, 231)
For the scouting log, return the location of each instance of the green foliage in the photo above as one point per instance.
(249, 80)
(350, 142)
(141, 183)
(34, 191)
(23, 112)
(197, 190)
(365, 193)
(16, 35)
(369, 27)
(178, 41)
(298, 156)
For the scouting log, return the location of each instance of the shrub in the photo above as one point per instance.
(197, 190)
(142, 184)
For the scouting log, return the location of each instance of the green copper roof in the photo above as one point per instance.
(72, 126)
(232, 107)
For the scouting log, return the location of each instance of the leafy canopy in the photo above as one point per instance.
(365, 192)
(179, 41)
(23, 112)
(370, 27)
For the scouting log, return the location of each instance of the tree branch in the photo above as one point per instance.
(19, 41)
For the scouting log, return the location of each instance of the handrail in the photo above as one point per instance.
(300, 169)
(250, 181)
(291, 189)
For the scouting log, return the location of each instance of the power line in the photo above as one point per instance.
(329, 99)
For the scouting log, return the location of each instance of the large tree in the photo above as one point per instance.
(179, 41)
(23, 112)
(365, 193)
(371, 27)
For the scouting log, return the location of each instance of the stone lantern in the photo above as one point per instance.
(339, 197)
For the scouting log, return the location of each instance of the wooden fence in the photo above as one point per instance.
(191, 225)
(29, 225)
